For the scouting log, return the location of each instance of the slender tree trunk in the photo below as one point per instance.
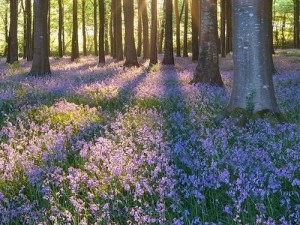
(153, 51)
(195, 29)
(269, 20)
(223, 29)
(162, 29)
(40, 64)
(168, 54)
(6, 29)
(101, 31)
(106, 34)
(139, 43)
(83, 28)
(178, 50)
(24, 28)
(252, 82)
(118, 30)
(207, 70)
(95, 29)
(145, 29)
(75, 48)
(49, 26)
(130, 53)
(112, 28)
(185, 38)
(228, 26)
(60, 28)
(28, 44)
(12, 55)
(296, 24)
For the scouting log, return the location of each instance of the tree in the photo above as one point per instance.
(118, 27)
(207, 70)
(153, 51)
(252, 84)
(139, 38)
(195, 29)
(101, 31)
(185, 39)
(168, 54)
(83, 6)
(223, 23)
(228, 26)
(40, 64)
(130, 53)
(95, 29)
(177, 18)
(60, 28)
(145, 29)
(28, 44)
(75, 47)
(296, 24)
(12, 55)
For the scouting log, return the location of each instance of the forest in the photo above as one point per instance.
(182, 112)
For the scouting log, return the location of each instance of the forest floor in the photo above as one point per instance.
(103, 144)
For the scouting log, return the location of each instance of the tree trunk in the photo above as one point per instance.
(101, 31)
(28, 44)
(12, 55)
(139, 42)
(145, 29)
(112, 28)
(60, 28)
(162, 29)
(228, 26)
(222, 33)
(130, 53)
(83, 28)
(118, 30)
(207, 70)
(75, 48)
(178, 50)
(95, 29)
(185, 39)
(153, 51)
(253, 88)
(296, 24)
(49, 27)
(195, 29)
(168, 54)
(40, 64)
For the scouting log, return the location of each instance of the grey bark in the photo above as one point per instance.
(12, 54)
(168, 54)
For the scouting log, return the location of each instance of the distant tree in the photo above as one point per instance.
(28, 30)
(130, 53)
(252, 82)
(118, 26)
(40, 64)
(101, 31)
(145, 29)
(228, 16)
(185, 33)
(60, 28)
(207, 70)
(195, 29)
(153, 48)
(96, 28)
(75, 47)
(12, 55)
(168, 54)
(83, 6)
(140, 29)
(223, 28)
(177, 19)
(296, 24)
(162, 29)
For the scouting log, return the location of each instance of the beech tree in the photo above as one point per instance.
(75, 47)
(207, 70)
(60, 28)
(145, 29)
(252, 82)
(296, 24)
(153, 49)
(195, 29)
(40, 64)
(101, 31)
(118, 28)
(168, 54)
(12, 54)
(28, 30)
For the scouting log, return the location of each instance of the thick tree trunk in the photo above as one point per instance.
(178, 50)
(28, 44)
(168, 54)
(140, 29)
(185, 34)
(207, 70)
(75, 48)
(83, 28)
(252, 83)
(145, 29)
(96, 28)
(12, 55)
(296, 24)
(101, 31)
(130, 53)
(153, 51)
(60, 28)
(118, 30)
(40, 64)
(195, 29)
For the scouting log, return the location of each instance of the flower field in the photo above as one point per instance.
(103, 144)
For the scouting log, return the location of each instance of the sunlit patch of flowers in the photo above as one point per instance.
(107, 145)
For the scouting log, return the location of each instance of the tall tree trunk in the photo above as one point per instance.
(112, 28)
(145, 29)
(101, 31)
(153, 51)
(178, 50)
(296, 24)
(49, 26)
(40, 64)
(12, 55)
(139, 42)
(24, 28)
(195, 29)
(252, 82)
(60, 28)
(228, 26)
(118, 32)
(28, 44)
(207, 70)
(168, 54)
(130, 53)
(162, 29)
(269, 20)
(95, 29)
(223, 28)
(106, 34)
(185, 34)
(83, 28)
(75, 48)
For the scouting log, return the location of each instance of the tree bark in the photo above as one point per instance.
(83, 6)
(223, 25)
(145, 29)
(195, 29)
(228, 26)
(60, 28)
(168, 54)
(178, 50)
(253, 88)
(130, 53)
(185, 34)
(140, 29)
(75, 48)
(12, 55)
(118, 30)
(162, 29)
(207, 70)
(96, 28)
(40, 64)
(153, 51)
(296, 24)
(101, 31)
(28, 44)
